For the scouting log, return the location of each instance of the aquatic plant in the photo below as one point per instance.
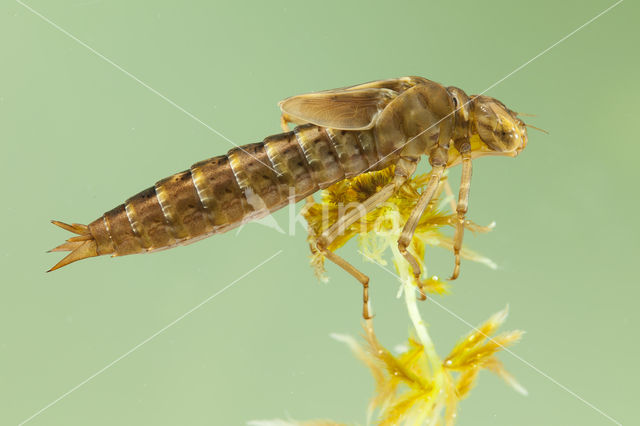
(415, 386)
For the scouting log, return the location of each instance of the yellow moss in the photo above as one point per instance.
(380, 229)
(408, 392)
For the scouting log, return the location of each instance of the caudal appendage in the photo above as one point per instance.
(81, 247)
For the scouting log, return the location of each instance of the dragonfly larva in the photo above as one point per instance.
(340, 134)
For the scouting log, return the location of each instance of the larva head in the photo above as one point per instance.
(498, 127)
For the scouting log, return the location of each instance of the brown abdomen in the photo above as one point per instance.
(223, 192)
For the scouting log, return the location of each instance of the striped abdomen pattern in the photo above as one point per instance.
(220, 193)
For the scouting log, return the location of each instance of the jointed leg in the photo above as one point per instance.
(343, 223)
(403, 170)
(461, 210)
(285, 119)
(412, 223)
(284, 123)
(362, 278)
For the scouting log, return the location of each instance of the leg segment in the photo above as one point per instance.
(362, 278)
(412, 223)
(461, 210)
(316, 247)
(284, 124)
(344, 222)
(285, 119)
(404, 169)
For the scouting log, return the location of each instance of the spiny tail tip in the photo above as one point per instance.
(81, 247)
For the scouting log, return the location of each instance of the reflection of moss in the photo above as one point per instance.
(414, 387)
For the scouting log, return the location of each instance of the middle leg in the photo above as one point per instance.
(410, 227)
(438, 160)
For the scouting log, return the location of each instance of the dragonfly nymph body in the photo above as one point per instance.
(340, 134)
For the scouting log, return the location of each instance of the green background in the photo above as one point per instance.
(78, 136)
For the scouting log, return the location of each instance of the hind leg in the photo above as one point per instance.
(404, 169)
(343, 222)
(285, 119)
(316, 248)
(349, 268)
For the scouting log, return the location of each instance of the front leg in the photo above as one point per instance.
(463, 205)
